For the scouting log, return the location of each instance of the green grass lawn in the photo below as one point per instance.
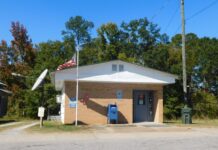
(53, 126)
(195, 123)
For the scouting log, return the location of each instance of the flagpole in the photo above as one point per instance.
(77, 83)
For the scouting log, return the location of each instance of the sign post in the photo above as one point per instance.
(41, 112)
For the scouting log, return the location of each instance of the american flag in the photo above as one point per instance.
(68, 64)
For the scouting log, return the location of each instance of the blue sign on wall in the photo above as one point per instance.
(119, 94)
(72, 98)
(72, 102)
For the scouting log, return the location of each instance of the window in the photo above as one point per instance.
(114, 67)
(121, 68)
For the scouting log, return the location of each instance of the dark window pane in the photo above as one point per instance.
(121, 68)
(114, 67)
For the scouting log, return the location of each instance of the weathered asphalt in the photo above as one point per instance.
(114, 138)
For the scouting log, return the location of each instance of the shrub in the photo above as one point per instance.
(205, 105)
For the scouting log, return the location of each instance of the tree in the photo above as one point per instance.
(191, 58)
(205, 105)
(158, 58)
(208, 56)
(49, 55)
(17, 58)
(141, 36)
(4, 54)
(78, 29)
(5, 66)
(90, 53)
(22, 45)
(109, 36)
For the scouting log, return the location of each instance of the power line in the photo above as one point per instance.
(165, 3)
(202, 10)
(177, 29)
(197, 13)
(171, 19)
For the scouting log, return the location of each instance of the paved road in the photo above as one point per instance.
(115, 138)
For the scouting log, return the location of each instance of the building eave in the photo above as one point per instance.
(134, 74)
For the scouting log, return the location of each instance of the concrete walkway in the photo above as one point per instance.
(18, 130)
(150, 124)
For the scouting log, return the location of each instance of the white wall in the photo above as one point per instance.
(62, 111)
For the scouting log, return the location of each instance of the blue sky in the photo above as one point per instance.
(45, 19)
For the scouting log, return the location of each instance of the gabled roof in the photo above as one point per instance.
(103, 72)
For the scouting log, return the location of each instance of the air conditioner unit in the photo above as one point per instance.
(59, 99)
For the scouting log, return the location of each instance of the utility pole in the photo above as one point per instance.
(183, 52)
(186, 112)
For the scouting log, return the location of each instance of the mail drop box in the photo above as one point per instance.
(112, 113)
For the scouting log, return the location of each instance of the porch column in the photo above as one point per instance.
(158, 106)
